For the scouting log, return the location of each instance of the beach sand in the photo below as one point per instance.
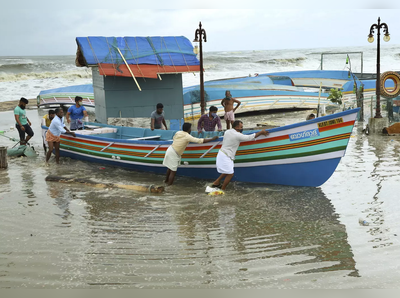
(10, 105)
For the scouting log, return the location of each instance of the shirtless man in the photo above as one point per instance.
(227, 103)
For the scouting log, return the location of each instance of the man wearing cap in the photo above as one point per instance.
(23, 124)
(77, 112)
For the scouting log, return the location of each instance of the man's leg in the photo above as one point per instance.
(167, 176)
(57, 147)
(226, 181)
(29, 132)
(21, 135)
(171, 178)
(48, 154)
(218, 181)
(228, 124)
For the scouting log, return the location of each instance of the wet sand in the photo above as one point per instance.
(56, 235)
(10, 105)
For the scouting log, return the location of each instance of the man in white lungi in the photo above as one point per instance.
(172, 158)
(226, 155)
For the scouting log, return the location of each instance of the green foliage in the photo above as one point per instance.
(335, 95)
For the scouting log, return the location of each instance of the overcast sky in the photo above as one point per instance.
(40, 29)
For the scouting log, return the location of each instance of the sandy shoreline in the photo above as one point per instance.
(10, 105)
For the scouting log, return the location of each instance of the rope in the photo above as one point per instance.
(134, 56)
(156, 55)
(182, 54)
(94, 54)
(109, 49)
(169, 55)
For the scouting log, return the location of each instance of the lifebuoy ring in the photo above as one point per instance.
(390, 75)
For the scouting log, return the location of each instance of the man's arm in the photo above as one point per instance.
(69, 132)
(19, 122)
(165, 124)
(199, 124)
(152, 124)
(67, 116)
(244, 138)
(211, 139)
(261, 132)
(85, 113)
(223, 103)
(219, 124)
(238, 104)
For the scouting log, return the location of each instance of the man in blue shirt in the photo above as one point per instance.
(57, 127)
(77, 113)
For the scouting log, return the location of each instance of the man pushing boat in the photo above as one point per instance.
(174, 152)
(226, 155)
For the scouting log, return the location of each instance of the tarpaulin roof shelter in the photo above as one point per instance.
(145, 56)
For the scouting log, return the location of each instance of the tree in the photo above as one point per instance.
(335, 95)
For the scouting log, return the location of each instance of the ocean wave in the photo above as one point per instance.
(296, 61)
(74, 74)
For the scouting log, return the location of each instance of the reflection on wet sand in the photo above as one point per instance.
(4, 181)
(236, 241)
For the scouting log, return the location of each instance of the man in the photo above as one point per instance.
(23, 124)
(57, 127)
(157, 118)
(226, 155)
(209, 121)
(227, 103)
(77, 112)
(310, 117)
(174, 152)
(46, 120)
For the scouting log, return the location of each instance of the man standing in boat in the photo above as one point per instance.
(226, 155)
(157, 118)
(172, 158)
(57, 127)
(209, 121)
(22, 122)
(77, 112)
(227, 103)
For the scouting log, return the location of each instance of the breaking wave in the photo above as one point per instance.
(73, 74)
(296, 61)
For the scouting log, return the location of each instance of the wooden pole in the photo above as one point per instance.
(127, 65)
(3, 157)
(136, 187)
(319, 98)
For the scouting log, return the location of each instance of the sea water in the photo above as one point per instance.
(27, 76)
(56, 235)
(257, 236)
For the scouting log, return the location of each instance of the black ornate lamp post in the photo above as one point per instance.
(199, 35)
(378, 66)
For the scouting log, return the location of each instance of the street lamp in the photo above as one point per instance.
(378, 66)
(199, 35)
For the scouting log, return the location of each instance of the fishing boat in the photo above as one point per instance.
(259, 93)
(66, 96)
(301, 154)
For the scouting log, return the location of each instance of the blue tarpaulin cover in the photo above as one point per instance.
(154, 50)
